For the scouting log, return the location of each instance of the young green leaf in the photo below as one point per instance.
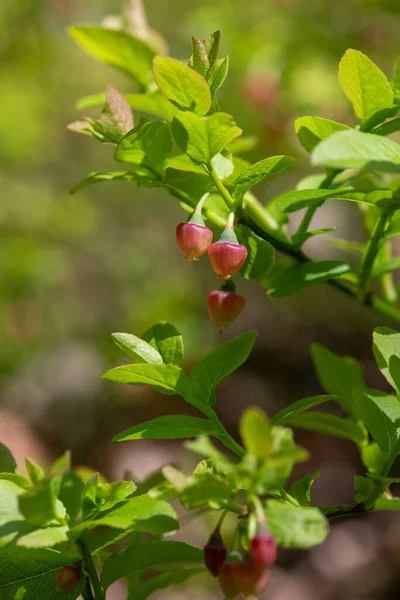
(166, 339)
(10, 516)
(169, 427)
(181, 85)
(206, 375)
(167, 378)
(203, 137)
(147, 145)
(212, 45)
(365, 85)
(381, 414)
(256, 433)
(357, 150)
(32, 574)
(301, 489)
(293, 201)
(199, 60)
(218, 75)
(386, 345)
(258, 171)
(35, 472)
(70, 493)
(96, 177)
(44, 538)
(299, 407)
(164, 555)
(141, 513)
(297, 277)
(396, 81)
(338, 375)
(118, 49)
(7, 461)
(260, 255)
(116, 117)
(40, 506)
(329, 425)
(139, 350)
(295, 526)
(311, 130)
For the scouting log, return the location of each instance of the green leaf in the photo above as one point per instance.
(311, 130)
(206, 489)
(141, 513)
(169, 427)
(387, 266)
(256, 433)
(144, 589)
(338, 375)
(181, 85)
(212, 44)
(19, 480)
(70, 493)
(203, 137)
(299, 407)
(32, 574)
(329, 425)
(152, 555)
(166, 339)
(96, 177)
(165, 377)
(301, 489)
(188, 187)
(44, 538)
(365, 85)
(386, 346)
(260, 255)
(91, 496)
(116, 117)
(293, 201)
(258, 171)
(10, 516)
(357, 150)
(199, 60)
(396, 81)
(7, 461)
(223, 166)
(381, 415)
(35, 472)
(117, 49)
(153, 103)
(40, 506)
(218, 364)
(299, 276)
(303, 236)
(136, 348)
(147, 145)
(295, 526)
(218, 74)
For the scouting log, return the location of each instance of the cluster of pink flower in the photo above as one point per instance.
(226, 256)
(238, 575)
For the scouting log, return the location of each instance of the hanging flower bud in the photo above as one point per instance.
(67, 578)
(263, 549)
(194, 237)
(227, 256)
(241, 577)
(215, 552)
(224, 306)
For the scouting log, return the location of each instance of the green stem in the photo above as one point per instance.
(87, 591)
(379, 487)
(372, 249)
(90, 569)
(224, 436)
(311, 210)
(387, 284)
(255, 217)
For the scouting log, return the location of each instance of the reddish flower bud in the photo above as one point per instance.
(194, 237)
(227, 256)
(67, 578)
(193, 240)
(215, 553)
(242, 578)
(263, 549)
(224, 307)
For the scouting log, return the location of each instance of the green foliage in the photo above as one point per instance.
(297, 277)
(295, 526)
(311, 130)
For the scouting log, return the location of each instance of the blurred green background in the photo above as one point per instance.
(74, 268)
